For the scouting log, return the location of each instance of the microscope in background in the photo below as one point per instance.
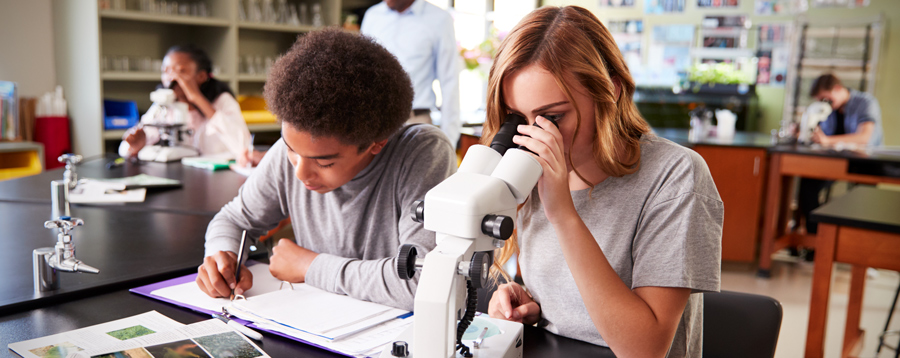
(169, 118)
(816, 113)
(47, 261)
(472, 213)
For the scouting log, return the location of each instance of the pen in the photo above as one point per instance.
(237, 265)
(250, 150)
(115, 163)
(238, 327)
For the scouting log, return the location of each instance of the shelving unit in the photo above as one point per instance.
(849, 49)
(84, 34)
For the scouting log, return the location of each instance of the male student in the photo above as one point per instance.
(346, 172)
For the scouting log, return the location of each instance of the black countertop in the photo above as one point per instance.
(202, 191)
(25, 325)
(128, 247)
(741, 139)
(863, 207)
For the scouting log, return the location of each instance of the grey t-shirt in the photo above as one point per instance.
(357, 228)
(660, 226)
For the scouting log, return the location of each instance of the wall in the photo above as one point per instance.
(26, 46)
(772, 98)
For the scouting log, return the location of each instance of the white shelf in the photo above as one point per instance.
(722, 53)
(130, 76)
(831, 62)
(264, 127)
(251, 78)
(111, 134)
(275, 27)
(169, 19)
(839, 32)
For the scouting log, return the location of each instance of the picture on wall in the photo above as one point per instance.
(718, 3)
(780, 7)
(663, 6)
(616, 3)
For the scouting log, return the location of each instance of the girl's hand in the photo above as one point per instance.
(190, 87)
(553, 186)
(512, 303)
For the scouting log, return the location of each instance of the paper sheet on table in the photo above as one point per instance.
(190, 294)
(335, 322)
(210, 338)
(98, 192)
(96, 336)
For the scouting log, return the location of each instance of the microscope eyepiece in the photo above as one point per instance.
(503, 139)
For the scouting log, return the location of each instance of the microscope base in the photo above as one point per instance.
(156, 153)
(503, 339)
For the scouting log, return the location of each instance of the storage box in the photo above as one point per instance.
(119, 114)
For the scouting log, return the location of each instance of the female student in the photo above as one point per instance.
(215, 116)
(624, 228)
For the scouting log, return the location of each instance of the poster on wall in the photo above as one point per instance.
(616, 3)
(773, 54)
(780, 7)
(668, 56)
(663, 6)
(717, 3)
(840, 3)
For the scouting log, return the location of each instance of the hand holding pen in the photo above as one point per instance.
(216, 276)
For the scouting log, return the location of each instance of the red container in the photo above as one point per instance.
(53, 132)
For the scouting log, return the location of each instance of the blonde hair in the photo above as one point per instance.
(570, 41)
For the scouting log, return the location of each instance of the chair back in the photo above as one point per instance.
(740, 325)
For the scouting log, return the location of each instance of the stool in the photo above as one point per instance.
(886, 326)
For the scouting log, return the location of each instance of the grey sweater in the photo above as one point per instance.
(357, 228)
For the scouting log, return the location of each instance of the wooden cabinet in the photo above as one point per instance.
(739, 173)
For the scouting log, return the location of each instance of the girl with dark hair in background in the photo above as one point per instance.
(215, 116)
(623, 230)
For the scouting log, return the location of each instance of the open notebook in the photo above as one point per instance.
(301, 312)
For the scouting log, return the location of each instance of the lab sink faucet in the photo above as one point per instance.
(49, 260)
(59, 189)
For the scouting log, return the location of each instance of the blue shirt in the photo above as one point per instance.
(860, 108)
(423, 40)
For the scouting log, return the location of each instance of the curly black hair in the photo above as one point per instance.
(333, 83)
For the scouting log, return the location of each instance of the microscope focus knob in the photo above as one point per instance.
(406, 261)
(479, 268)
(497, 226)
(400, 349)
(418, 214)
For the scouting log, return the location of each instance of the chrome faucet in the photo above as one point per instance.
(59, 189)
(49, 260)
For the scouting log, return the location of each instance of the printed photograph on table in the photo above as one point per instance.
(131, 353)
(663, 6)
(227, 345)
(56, 350)
(180, 349)
(131, 332)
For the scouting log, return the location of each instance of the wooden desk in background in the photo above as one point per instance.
(787, 162)
(861, 228)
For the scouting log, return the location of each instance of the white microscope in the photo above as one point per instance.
(169, 117)
(472, 213)
(816, 113)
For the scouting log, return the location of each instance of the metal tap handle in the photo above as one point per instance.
(65, 224)
(70, 175)
(70, 159)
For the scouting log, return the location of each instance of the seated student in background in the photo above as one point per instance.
(856, 119)
(623, 230)
(346, 172)
(215, 116)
